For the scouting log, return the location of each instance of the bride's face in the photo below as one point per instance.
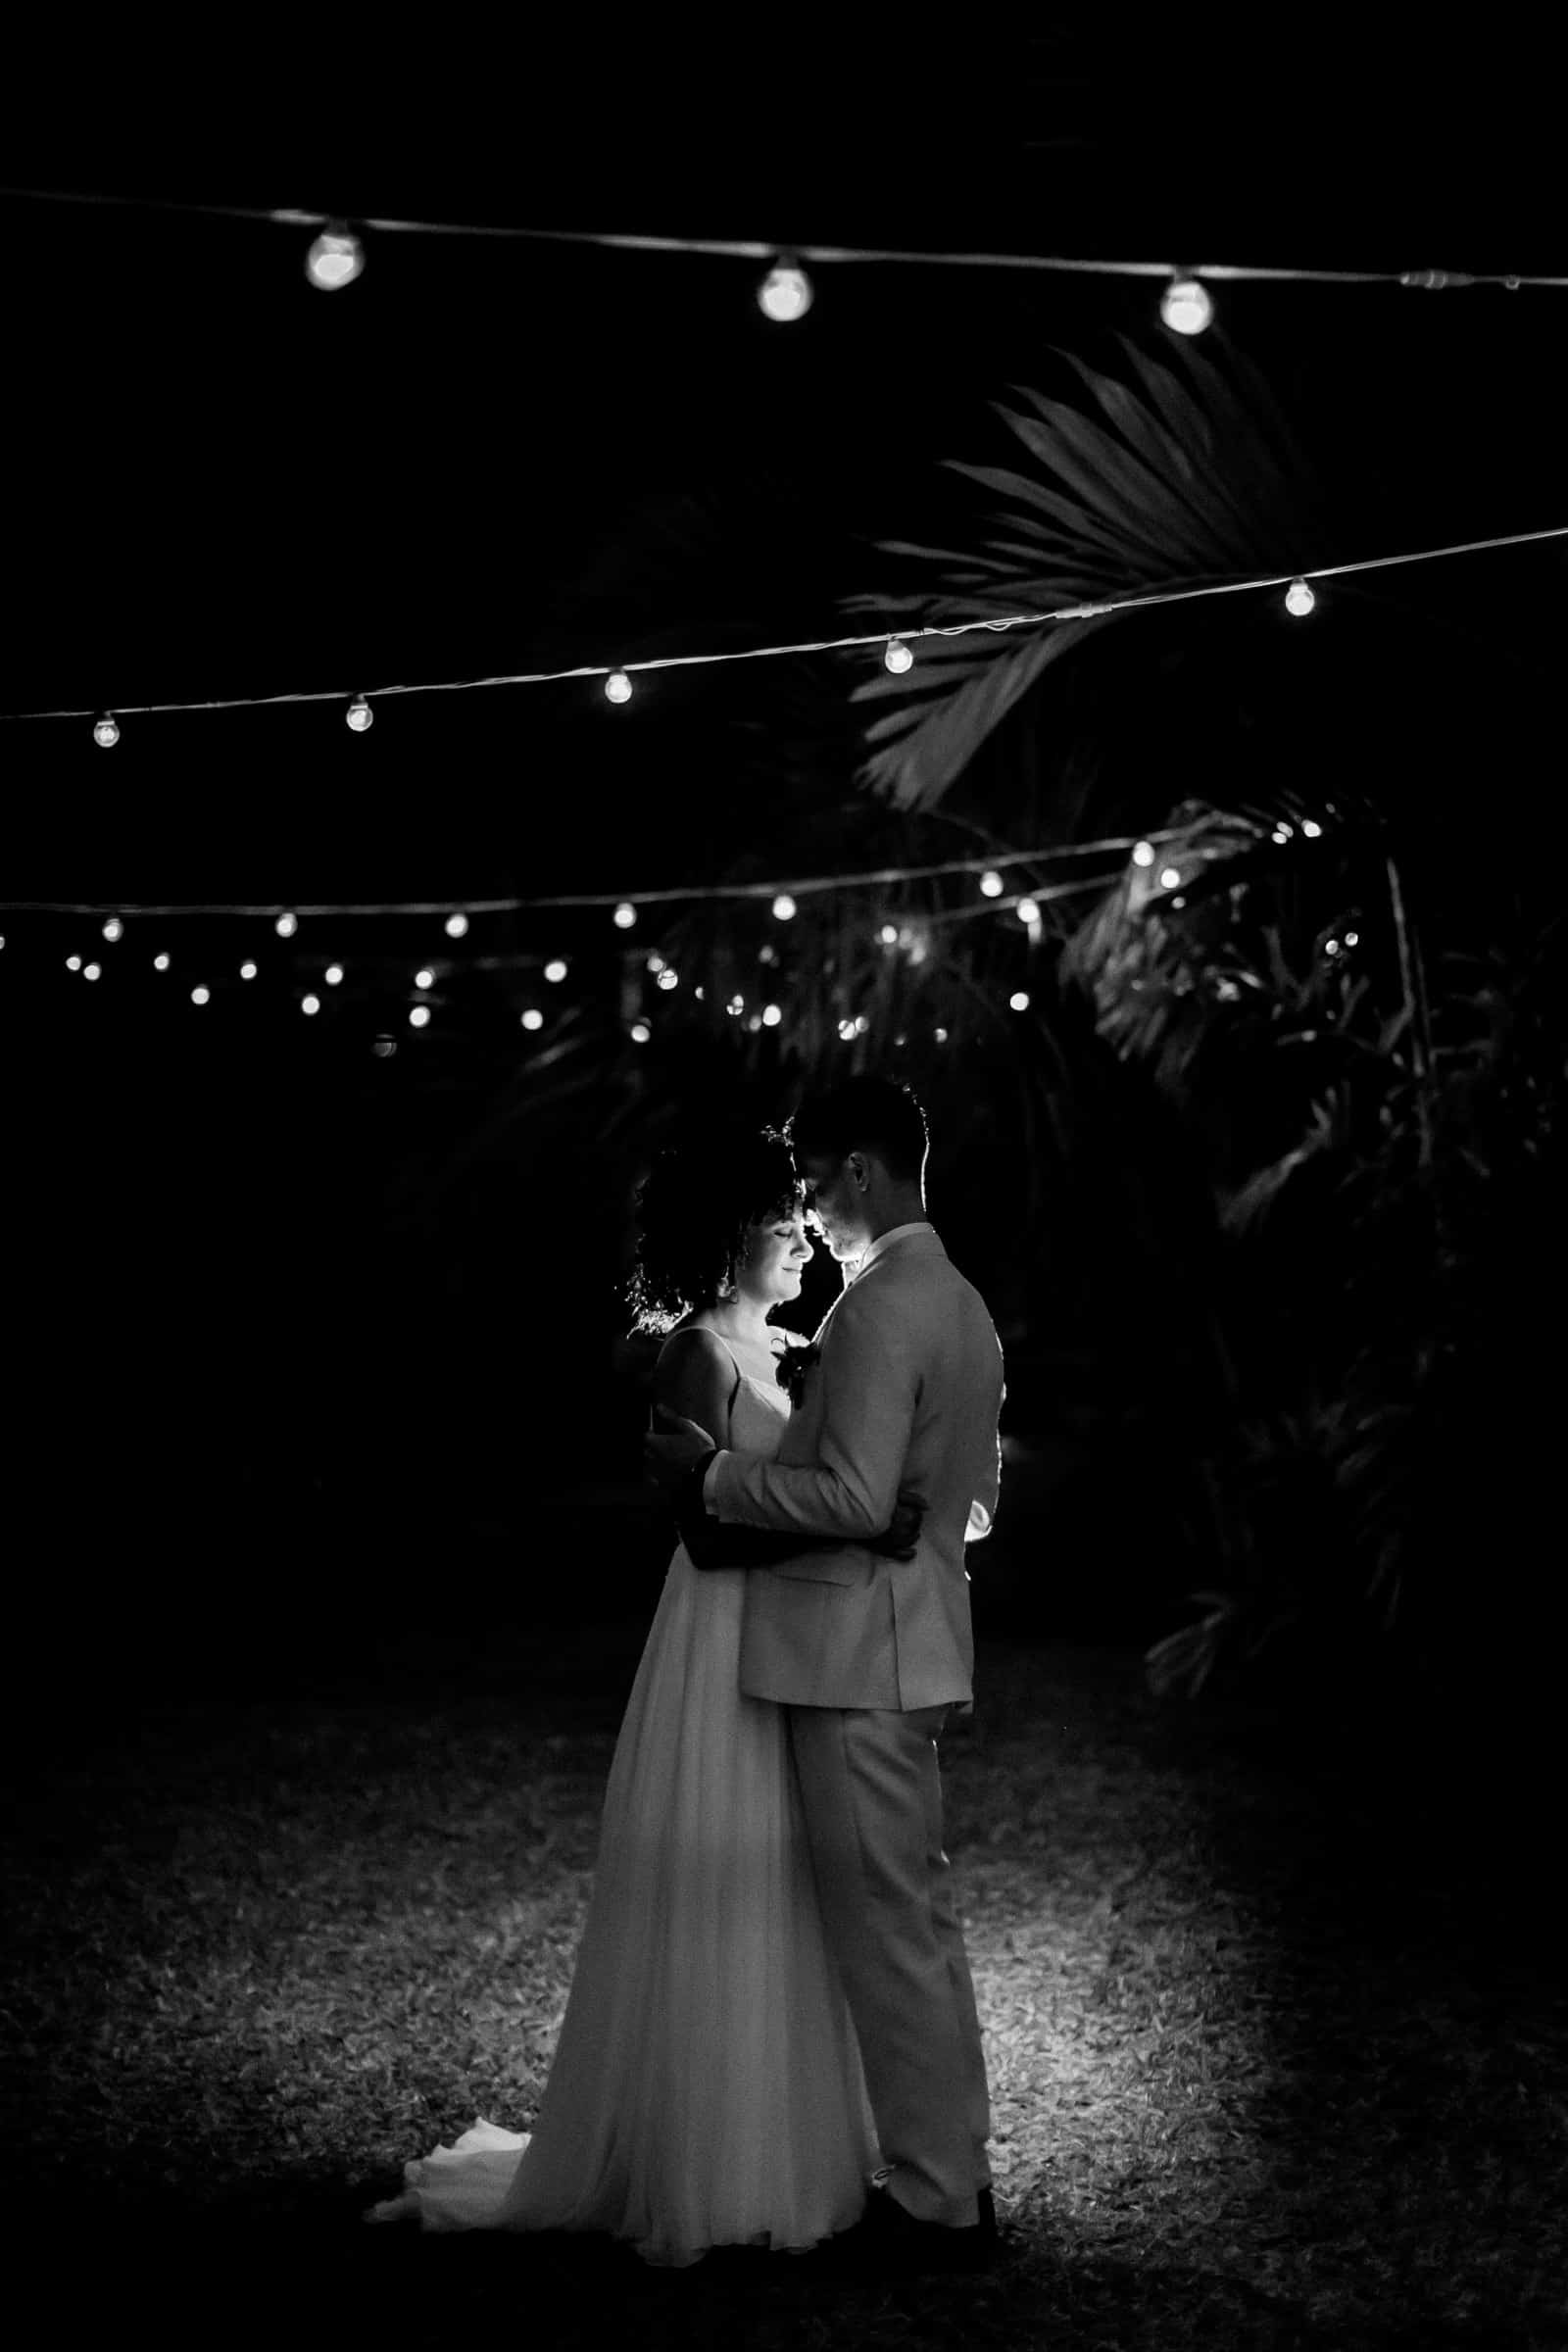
(776, 1250)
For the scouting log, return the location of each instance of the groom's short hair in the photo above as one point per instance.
(880, 1115)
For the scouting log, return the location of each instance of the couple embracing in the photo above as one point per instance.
(771, 2039)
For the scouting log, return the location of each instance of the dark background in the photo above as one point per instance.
(242, 1388)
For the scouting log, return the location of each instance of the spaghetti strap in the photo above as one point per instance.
(729, 1402)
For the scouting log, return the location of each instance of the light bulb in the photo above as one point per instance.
(1352, 938)
(897, 657)
(626, 916)
(73, 963)
(991, 886)
(771, 1016)
(668, 978)
(106, 732)
(889, 935)
(1028, 911)
(1142, 853)
(556, 968)
(1170, 878)
(640, 1032)
(1184, 305)
(532, 1017)
(310, 1004)
(333, 975)
(247, 971)
(114, 927)
(160, 963)
(455, 925)
(200, 996)
(1299, 598)
(618, 687)
(424, 977)
(92, 971)
(845, 1031)
(419, 1016)
(1020, 1001)
(654, 963)
(784, 906)
(785, 293)
(334, 260)
(736, 1007)
(286, 925)
(359, 715)
(941, 1036)
(1310, 827)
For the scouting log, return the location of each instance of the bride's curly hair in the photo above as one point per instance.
(693, 1210)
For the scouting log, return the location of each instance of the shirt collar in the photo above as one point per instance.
(885, 1241)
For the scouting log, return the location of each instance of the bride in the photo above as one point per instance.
(706, 2089)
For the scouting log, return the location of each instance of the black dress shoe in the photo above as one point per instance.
(887, 2241)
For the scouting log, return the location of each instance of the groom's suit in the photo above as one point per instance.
(867, 1653)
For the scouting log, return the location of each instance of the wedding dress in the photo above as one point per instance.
(707, 2088)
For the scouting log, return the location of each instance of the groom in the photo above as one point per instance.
(868, 1654)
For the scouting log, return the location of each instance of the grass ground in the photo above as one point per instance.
(1274, 2018)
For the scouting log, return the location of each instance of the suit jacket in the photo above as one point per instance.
(904, 1397)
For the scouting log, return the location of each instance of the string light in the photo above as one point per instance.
(1019, 1000)
(113, 928)
(286, 926)
(92, 971)
(1186, 306)
(424, 977)
(784, 906)
(455, 925)
(897, 657)
(333, 975)
(106, 733)
(334, 260)
(1310, 827)
(785, 293)
(991, 884)
(160, 963)
(1028, 910)
(247, 970)
(771, 1016)
(668, 978)
(640, 1032)
(309, 1003)
(532, 1017)
(200, 994)
(889, 935)
(626, 916)
(1299, 598)
(556, 968)
(618, 682)
(1142, 853)
(419, 1016)
(1170, 878)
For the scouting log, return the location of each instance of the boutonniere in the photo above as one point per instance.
(794, 1362)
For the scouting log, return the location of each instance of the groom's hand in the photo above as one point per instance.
(669, 1458)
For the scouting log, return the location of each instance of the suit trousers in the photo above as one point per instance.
(871, 1792)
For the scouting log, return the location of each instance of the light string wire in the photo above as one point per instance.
(805, 886)
(822, 645)
(749, 250)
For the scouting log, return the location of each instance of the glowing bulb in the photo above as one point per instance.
(640, 1032)
(1299, 598)
(889, 935)
(556, 968)
(1281, 833)
(1020, 1001)
(160, 963)
(1310, 827)
(533, 1018)
(113, 928)
(767, 954)
(92, 971)
(991, 886)
(200, 996)
(1353, 939)
(736, 1007)
(861, 1024)
(668, 978)
(333, 974)
(1144, 853)
(424, 977)
(247, 971)
(106, 732)
(286, 925)
(654, 963)
(383, 1046)
(1331, 946)
(1028, 911)
(785, 293)
(309, 1003)
(626, 916)
(897, 657)
(1170, 877)
(359, 715)
(784, 906)
(618, 687)
(455, 925)
(845, 1030)
(1185, 306)
(334, 260)
(419, 1016)
(941, 1036)
(73, 963)
(771, 1016)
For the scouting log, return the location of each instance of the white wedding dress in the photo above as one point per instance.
(707, 2088)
